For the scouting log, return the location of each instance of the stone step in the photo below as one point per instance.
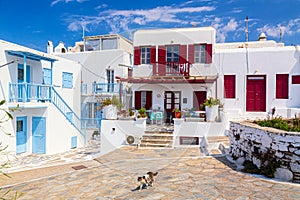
(151, 145)
(159, 132)
(296, 177)
(156, 141)
(216, 139)
(157, 136)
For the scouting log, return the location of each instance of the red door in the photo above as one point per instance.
(198, 99)
(256, 93)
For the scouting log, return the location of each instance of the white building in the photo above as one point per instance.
(46, 89)
(104, 59)
(173, 68)
(257, 76)
(181, 67)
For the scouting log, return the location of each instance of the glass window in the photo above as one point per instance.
(145, 55)
(92, 45)
(143, 98)
(200, 53)
(172, 53)
(110, 43)
(92, 110)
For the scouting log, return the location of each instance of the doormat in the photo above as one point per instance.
(79, 167)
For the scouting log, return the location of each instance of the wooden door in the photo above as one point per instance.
(198, 99)
(172, 100)
(256, 93)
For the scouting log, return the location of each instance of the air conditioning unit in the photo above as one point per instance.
(133, 140)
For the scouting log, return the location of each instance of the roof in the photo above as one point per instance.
(30, 55)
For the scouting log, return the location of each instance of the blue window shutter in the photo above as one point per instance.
(67, 80)
(73, 142)
(46, 76)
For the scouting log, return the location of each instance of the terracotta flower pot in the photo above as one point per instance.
(177, 114)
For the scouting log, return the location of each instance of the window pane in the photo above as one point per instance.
(200, 53)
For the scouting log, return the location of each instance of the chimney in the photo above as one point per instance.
(50, 47)
(262, 37)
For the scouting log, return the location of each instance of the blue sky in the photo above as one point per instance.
(32, 23)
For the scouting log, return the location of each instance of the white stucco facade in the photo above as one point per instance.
(266, 58)
(38, 118)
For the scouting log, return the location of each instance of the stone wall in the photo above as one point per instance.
(251, 142)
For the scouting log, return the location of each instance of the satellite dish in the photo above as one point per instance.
(130, 139)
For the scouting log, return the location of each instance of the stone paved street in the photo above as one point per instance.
(182, 174)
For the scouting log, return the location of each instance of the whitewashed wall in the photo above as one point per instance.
(114, 132)
(267, 61)
(58, 130)
(186, 92)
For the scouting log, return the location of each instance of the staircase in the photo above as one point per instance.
(217, 144)
(157, 137)
(65, 109)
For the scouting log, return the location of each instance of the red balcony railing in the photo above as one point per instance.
(171, 69)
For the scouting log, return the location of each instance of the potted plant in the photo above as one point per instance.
(211, 109)
(177, 112)
(142, 113)
(110, 107)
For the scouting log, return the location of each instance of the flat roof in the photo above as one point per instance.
(30, 55)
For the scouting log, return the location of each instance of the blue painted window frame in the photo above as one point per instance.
(67, 80)
(46, 76)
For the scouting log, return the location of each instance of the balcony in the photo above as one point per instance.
(171, 69)
(26, 92)
(107, 88)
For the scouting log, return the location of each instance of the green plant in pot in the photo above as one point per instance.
(177, 112)
(142, 113)
(211, 109)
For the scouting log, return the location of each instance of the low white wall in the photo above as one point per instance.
(251, 142)
(196, 129)
(114, 132)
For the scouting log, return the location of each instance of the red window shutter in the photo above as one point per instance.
(137, 98)
(161, 54)
(282, 86)
(191, 54)
(148, 100)
(182, 52)
(137, 55)
(229, 86)
(296, 79)
(208, 53)
(153, 54)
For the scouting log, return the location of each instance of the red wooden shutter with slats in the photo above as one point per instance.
(137, 98)
(182, 52)
(153, 54)
(191, 54)
(137, 55)
(208, 53)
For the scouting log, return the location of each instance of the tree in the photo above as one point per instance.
(6, 117)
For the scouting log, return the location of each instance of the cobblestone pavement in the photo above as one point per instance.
(182, 174)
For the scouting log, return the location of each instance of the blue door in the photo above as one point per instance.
(22, 78)
(39, 135)
(21, 135)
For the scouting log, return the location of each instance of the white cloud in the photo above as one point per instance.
(66, 1)
(120, 20)
(223, 28)
(101, 6)
(290, 28)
